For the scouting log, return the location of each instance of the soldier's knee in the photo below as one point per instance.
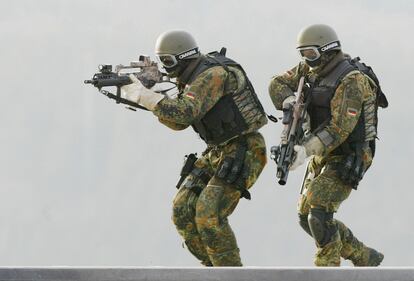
(177, 215)
(206, 221)
(181, 215)
(207, 209)
(321, 225)
(303, 222)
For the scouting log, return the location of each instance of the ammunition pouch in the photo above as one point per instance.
(223, 122)
(351, 169)
(233, 170)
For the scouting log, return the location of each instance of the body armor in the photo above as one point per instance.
(237, 113)
(319, 108)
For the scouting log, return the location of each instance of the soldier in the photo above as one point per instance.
(341, 140)
(218, 101)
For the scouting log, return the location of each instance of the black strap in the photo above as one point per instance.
(220, 63)
(189, 71)
(334, 78)
(272, 118)
(118, 99)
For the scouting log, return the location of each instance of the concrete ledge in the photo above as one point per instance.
(206, 274)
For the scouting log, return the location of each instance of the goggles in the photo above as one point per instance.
(169, 61)
(312, 53)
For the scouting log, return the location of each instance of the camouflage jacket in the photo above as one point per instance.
(198, 98)
(353, 92)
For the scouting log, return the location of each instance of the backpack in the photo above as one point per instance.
(367, 70)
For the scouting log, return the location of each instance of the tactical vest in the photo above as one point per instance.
(319, 108)
(236, 113)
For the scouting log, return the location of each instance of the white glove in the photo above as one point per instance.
(300, 157)
(313, 146)
(137, 93)
(288, 101)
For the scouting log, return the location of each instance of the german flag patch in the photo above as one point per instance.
(190, 95)
(352, 111)
(288, 74)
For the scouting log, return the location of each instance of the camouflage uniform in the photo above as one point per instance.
(201, 219)
(322, 188)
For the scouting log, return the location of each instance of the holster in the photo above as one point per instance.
(199, 175)
(188, 166)
(200, 178)
(233, 170)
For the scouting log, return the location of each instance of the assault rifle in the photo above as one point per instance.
(293, 118)
(144, 69)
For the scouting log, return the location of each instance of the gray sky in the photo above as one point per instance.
(86, 182)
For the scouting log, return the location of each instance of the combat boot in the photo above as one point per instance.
(369, 257)
(207, 263)
(229, 258)
(197, 249)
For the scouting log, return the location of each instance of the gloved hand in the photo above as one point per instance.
(300, 157)
(290, 100)
(137, 93)
(313, 146)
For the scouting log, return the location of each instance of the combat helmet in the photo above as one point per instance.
(175, 46)
(315, 40)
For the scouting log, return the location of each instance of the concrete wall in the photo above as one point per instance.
(205, 274)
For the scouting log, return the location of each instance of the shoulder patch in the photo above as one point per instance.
(288, 74)
(352, 111)
(190, 95)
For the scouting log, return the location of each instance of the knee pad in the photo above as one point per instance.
(181, 215)
(207, 209)
(303, 222)
(321, 226)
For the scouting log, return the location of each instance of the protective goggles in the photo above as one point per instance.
(312, 53)
(169, 61)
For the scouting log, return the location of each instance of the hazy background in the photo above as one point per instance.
(86, 182)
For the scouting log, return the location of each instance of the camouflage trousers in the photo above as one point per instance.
(202, 220)
(322, 189)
